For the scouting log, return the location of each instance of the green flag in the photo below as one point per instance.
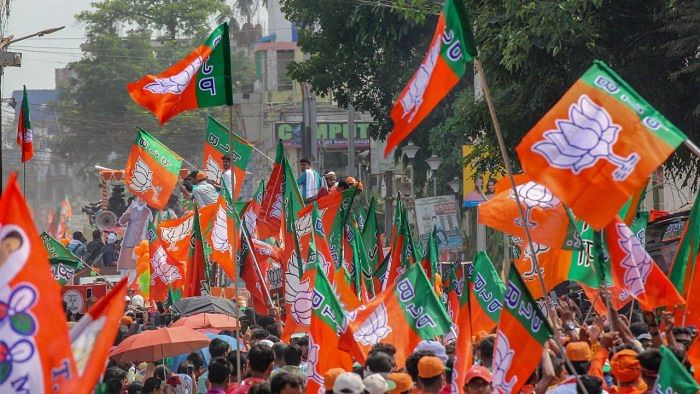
(673, 377)
(64, 264)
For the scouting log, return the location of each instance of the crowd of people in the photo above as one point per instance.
(598, 354)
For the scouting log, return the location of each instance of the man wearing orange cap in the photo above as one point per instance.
(627, 372)
(403, 382)
(431, 375)
(329, 378)
(477, 380)
(203, 192)
(579, 353)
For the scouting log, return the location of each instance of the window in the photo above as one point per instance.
(284, 82)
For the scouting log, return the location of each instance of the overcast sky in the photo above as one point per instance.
(40, 56)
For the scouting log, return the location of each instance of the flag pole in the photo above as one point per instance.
(509, 170)
(692, 147)
(232, 241)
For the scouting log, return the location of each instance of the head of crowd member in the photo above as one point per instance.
(384, 348)
(261, 358)
(645, 340)
(304, 164)
(625, 368)
(115, 379)
(348, 383)
(638, 328)
(434, 347)
(236, 366)
(402, 382)
(78, 236)
(197, 361)
(592, 384)
(477, 380)
(683, 336)
(279, 348)
(330, 178)
(303, 343)
(431, 374)
(329, 378)
(218, 348)
(200, 177)
(379, 362)
(649, 361)
(260, 388)
(186, 368)
(286, 383)
(162, 372)
(292, 355)
(579, 353)
(219, 373)
(377, 384)
(412, 363)
(134, 388)
(259, 334)
(226, 162)
(486, 351)
(152, 385)
(97, 235)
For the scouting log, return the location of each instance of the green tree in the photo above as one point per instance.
(127, 39)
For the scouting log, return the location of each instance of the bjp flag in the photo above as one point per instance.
(598, 145)
(35, 351)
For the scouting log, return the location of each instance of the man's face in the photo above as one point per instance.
(227, 164)
(646, 343)
(304, 166)
(477, 386)
(7, 246)
(289, 389)
(684, 339)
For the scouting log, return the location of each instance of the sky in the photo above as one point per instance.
(41, 55)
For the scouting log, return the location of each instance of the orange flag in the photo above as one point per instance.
(545, 215)
(35, 352)
(635, 271)
(94, 335)
(222, 236)
(554, 265)
(176, 235)
(598, 145)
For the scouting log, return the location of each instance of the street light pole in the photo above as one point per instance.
(434, 163)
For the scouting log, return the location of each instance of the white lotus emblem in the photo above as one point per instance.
(586, 137)
(312, 358)
(172, 235)
(637, 262)
(530, 255)
(533, 195)
(413, 99)
(219, 233)
(502, 359)
(297, 294)
(212, 169)
(141, 179)
(167, 273)
(374, 328)
(177, 83)
(304, 225)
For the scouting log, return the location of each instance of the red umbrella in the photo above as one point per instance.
(157, 344)
(208, 320)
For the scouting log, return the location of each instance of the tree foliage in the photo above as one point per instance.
(127, 39)
(532, 52)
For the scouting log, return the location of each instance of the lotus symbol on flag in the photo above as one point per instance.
(250, 219)
(374, 328)
(413, 98)
(533, 195)
(313, 362)
(502, 359)
(212, 169)
(304, 225)
(141, 179)
(167, 273)
(172, 235)
(177, 83)
(637, 262)
(586, 137)
(219, 233)
(530, 255)
(276, 210)
(297, 293)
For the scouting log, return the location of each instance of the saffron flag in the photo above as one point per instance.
(34, 342)
(175, 235)
(520, 337)
(222, 236)
(270, 217)
(217, 145)
(600, 139)
(254, 270)
(634, 270)
(402, 315)
(485, 294)
(93, 336)
(152, 170)
(201, 79)
(197, 272)
(25, 138)
(447, 59)
(464, 354)
(545, 216)
(64, 264)
(327, 322)
(683, 273)
(673, 377)
(166, 272)
(403, 250)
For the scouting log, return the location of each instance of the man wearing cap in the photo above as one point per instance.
(203, 192)
(579, 353)
(627, 371)
(377, 384)
(402, 381)
(431, 375)
(348, 383)
(329, 378)
(477, 380)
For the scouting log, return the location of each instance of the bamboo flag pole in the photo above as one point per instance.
(232, 243)
(509, 170)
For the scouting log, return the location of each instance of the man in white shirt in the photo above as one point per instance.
(226, 177)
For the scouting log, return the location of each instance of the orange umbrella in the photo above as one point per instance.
(157, 344)
(208, 320)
